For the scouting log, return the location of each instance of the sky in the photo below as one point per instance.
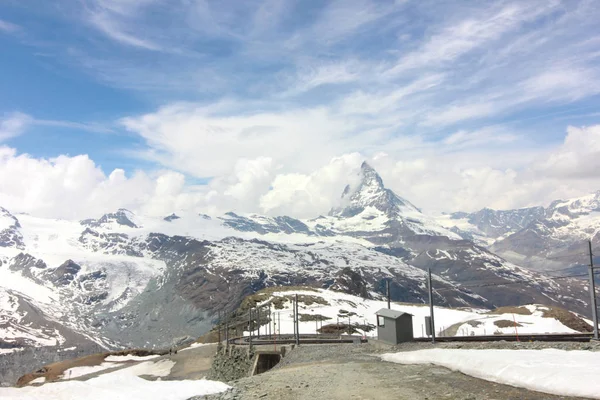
(271, 106)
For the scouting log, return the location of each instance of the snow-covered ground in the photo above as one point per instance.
(14, 328)
(123, 384)
(76, 372)
(7, 351)
(119, 387)
(116, 361)
(129, 357)
(355, 310)
(565, 373)
(526, 324)
(195, 345)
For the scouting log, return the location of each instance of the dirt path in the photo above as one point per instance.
(192, 363)
(354, 373)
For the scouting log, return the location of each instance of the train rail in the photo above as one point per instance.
(569, 337)
(304, 339)
(333, 339)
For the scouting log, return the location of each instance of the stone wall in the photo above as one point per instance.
(231, 364)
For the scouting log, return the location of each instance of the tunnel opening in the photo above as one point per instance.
(265, 361)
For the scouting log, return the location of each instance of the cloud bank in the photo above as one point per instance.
(75, 187)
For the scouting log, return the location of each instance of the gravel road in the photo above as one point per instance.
(355, 372)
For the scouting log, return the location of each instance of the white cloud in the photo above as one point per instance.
(254, 121)
(483, 136)
(314, 76)
(8, 27)
(458, 39)
(75, 187)
(577, 158)
(308, 195)
(111, 28)
(13, 125)
(203, 142)
(569, 82)
(117, 20)
(454, 113)
(463, 179)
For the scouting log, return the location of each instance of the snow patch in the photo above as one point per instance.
(195, 345)
(129, 357)
(559, 372)
(76, 372)
(114, 386)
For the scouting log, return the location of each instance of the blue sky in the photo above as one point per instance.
(252, 103)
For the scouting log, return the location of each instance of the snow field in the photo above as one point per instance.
(18, 283)
(8, 351)
(530, 324)
(129, 357)
(115, 387)
(560, 372)
(157, 369)
(76, 372)
(365, 310)
(123, 384)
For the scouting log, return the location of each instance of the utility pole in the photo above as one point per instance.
(258, 321)
(297, 323)
(294, 315)
(270, 319)
(431, 305)
(226, 330)
(593, 293)
(250, 327)
(387, 286)
(219, 326)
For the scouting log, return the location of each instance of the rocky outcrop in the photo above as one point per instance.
(65, 273)
(264, 225)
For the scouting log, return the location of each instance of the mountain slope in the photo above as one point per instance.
(544, 239)
(121, 283)
(562, 232)
(487, 225)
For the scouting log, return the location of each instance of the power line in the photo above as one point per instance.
(565, 256)
(509, 282)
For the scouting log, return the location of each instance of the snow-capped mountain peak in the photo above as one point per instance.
(10, 235)
(122, 217)
(567, 209)
(371, 192)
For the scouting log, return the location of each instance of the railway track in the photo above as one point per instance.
(570, 337)
(332, 339)
(304, 339)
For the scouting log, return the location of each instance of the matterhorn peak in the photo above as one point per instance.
(370, 177)
(370, 192)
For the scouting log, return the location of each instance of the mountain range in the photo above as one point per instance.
(131, 280)
(552, 239)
